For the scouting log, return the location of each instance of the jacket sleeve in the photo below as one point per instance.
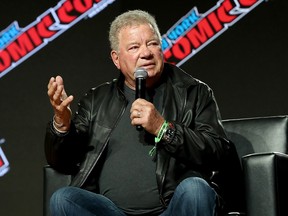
(200, 141)
(64, 152)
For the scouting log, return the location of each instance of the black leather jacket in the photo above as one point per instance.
(197, 149)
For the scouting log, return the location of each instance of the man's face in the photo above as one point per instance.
(139, 47)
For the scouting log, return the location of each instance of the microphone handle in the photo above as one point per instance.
(140, 93)
(140, 88)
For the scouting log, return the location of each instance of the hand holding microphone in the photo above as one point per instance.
(142, 110)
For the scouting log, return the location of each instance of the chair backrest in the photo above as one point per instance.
(258, 134)
(249, 135)
(52, 181)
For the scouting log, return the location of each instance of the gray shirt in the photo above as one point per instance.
(128, 175)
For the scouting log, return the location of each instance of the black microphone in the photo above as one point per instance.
(140, 76)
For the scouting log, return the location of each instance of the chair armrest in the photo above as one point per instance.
(266, 188)
(52, 181)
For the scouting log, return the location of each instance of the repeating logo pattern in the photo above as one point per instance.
(4, 164)
(194, 31)
(18, 44)
(183, 40)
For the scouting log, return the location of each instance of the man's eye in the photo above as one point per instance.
(153, 43)
(133, 47)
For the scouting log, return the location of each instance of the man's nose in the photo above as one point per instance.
(145, 52)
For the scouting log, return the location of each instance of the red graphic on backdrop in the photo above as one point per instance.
(195, 31)
(17, 44)
(4, 164)
(186, 38)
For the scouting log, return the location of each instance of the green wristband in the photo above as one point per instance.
(161, 131)
(160, 134)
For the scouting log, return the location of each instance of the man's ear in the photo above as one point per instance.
(115, 58)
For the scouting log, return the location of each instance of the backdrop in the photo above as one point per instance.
(238, 47)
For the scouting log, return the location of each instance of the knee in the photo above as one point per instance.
(195, 197)
(60, 197)
(197, 188)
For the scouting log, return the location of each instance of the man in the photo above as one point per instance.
(163, 169)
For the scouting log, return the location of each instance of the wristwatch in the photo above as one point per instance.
(169, 134)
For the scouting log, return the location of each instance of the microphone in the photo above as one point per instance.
(140, 76)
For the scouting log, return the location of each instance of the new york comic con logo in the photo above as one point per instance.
(17, 44)
(195, 31)
(184, 39)
(4, 164)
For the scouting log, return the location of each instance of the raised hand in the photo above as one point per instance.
(60, 103)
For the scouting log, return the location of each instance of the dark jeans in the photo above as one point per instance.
(192, 197)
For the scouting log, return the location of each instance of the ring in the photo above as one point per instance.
(139, 114)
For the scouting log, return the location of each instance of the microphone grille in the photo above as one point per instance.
(140, 73)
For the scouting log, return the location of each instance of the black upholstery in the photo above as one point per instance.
(255, 135)
(261, 145)
(52, 181)
(266, 177)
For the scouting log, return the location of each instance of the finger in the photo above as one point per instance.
(136, 107)
(54, 94)
(53, 85)
(51, 90)
(66, 103)
(135, 114)
(60, 83)
(51, 81)
(58, 94)
(136, 120)
(59, 80)
(63, 95)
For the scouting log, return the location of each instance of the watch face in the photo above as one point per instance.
(169, 133)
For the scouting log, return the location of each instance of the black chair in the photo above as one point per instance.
(52, 181)
(261, 145)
